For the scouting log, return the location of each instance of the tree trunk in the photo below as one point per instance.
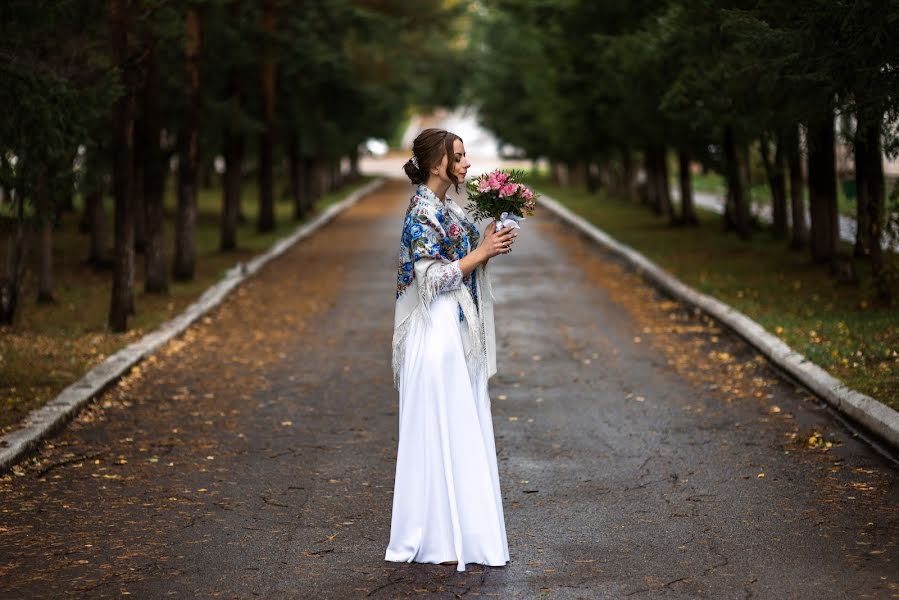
(139, 206)
(313, 183)
(572, 174)
(355, 174)
(744, 214)
(45, 208)
(566, 177)
(607, 177)
(329, 184)
(592, 175)
(628, 177)
(863, 227)
(325, 176)
(266, 218)
(156, 277)
(204, 175)
(799, 237)
(871, 163)
(779, 216)
(122, 301)
(64, 199)
(98, 255)
(233, 182)
(84, 223)
(45, 285)
(665, 206)
(553, 173)
(234, 153)
(66, 202)
(651, 193)
(188, 157)
(336, 175)
(736, 185)
(658, 190)
(688, 211)
(822, 183)
(774, 170)
(266, 221)
(16, 252)
(297, 189)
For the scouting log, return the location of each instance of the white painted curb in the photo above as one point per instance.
(869, 412)
(42, 422)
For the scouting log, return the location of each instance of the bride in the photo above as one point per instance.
(447, 505)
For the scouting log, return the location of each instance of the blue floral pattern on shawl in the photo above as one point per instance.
(432, 229)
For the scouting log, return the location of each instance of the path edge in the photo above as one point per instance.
(860, 408)
(43, 422)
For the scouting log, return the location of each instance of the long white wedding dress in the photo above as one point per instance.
(447, 504)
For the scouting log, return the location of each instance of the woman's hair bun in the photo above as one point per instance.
(413, 172)
(429, 149)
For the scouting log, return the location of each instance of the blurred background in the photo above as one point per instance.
(147, 145)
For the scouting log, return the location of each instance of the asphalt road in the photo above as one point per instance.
(643, 452)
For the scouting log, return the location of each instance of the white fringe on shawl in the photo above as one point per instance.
(479, 343)
(413, 307)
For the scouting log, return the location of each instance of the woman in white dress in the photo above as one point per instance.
(447, 504)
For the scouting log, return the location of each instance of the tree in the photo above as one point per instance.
(122, 302)
(121, 86)
(266, 221)
(154, 160)
(188, 150)
(55, 88)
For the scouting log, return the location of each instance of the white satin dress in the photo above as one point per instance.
(447, 504)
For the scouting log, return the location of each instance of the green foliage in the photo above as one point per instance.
(343, 71)
(349, 69)
(576, 80)
(346, 70)
(56, 89)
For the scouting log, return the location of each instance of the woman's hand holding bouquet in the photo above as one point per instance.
(497, 242)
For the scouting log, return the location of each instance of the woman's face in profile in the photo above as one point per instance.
(460, 166)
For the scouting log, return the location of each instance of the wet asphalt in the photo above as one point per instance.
(643, 451)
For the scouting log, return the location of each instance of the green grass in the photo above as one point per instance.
(52, 345)
(838, 327)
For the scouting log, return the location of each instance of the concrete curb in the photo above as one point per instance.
(43, 422)
(870, 413)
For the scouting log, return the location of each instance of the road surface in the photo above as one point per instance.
(643, 452)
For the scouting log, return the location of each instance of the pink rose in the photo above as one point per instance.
(455, 231)
(483, 185)
(508, 189)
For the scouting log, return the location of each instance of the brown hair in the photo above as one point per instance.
(428, 149)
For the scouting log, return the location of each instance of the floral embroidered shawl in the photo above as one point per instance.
(438, 233)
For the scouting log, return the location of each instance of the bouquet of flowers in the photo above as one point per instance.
(500, 196)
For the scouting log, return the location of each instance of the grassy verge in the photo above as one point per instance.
(836, 326)
(52, 345)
